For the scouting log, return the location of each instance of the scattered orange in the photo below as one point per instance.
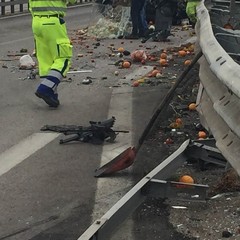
(163, 55)
(192, 106)
(121, 49)
(163, 62)
(154, 72)
(179, 121)
(186, 179)
(187, 62)
(126, 64)
(182, 53)
(135, 84)
(202, 134)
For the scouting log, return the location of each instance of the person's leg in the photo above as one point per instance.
(142, 23)
(57, 55)
(162, 26)
(137, 25)
(134, 17)
(191, 11)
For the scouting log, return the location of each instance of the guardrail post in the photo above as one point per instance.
(12, 7)
(21, 7)
(3, 8)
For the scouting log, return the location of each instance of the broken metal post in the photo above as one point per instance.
(176, 190)
(206, 151)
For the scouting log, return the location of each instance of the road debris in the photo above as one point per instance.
(26, 62)
(79, 71)
(96, 133)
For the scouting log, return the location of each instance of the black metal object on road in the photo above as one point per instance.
(96, 133)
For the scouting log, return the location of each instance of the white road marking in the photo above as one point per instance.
(14, 41)
(112, 189)
(19, 152)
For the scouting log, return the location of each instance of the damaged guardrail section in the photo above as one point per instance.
(219, 93)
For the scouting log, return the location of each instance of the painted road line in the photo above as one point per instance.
(14, 41)
(112, 189)
(21, 151)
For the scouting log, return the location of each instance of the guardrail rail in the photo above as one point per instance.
(219, 93)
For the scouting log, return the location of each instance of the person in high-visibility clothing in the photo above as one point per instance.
(52, 44)
(191, 10)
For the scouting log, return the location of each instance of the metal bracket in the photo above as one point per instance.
(175, 190)
(205, 151)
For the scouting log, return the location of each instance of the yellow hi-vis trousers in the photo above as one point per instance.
(53, 47)
(192, 11)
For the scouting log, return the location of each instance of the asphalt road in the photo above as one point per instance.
(43, 184)
(48, 190)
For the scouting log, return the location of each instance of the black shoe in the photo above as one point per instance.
(50, 99)
(131, 36)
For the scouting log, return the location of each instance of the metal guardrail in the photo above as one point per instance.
(223, 12)
(10, 7)
(151, 185)
(219, 94)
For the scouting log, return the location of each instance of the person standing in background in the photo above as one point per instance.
(52, 44)
(191, 10)
(165, 12)
(138, 18)
(144, 18)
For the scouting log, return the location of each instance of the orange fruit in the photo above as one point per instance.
(126, 64)
(202, 134)
(179, 121)
(163, 55)
(186, 179)
(135, 84)
(163, 62)
(154, 72)
(192, 106)
(121, 49)
(182, 53)
(187, 62)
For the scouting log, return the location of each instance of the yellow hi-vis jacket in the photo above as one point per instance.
(48, 7)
